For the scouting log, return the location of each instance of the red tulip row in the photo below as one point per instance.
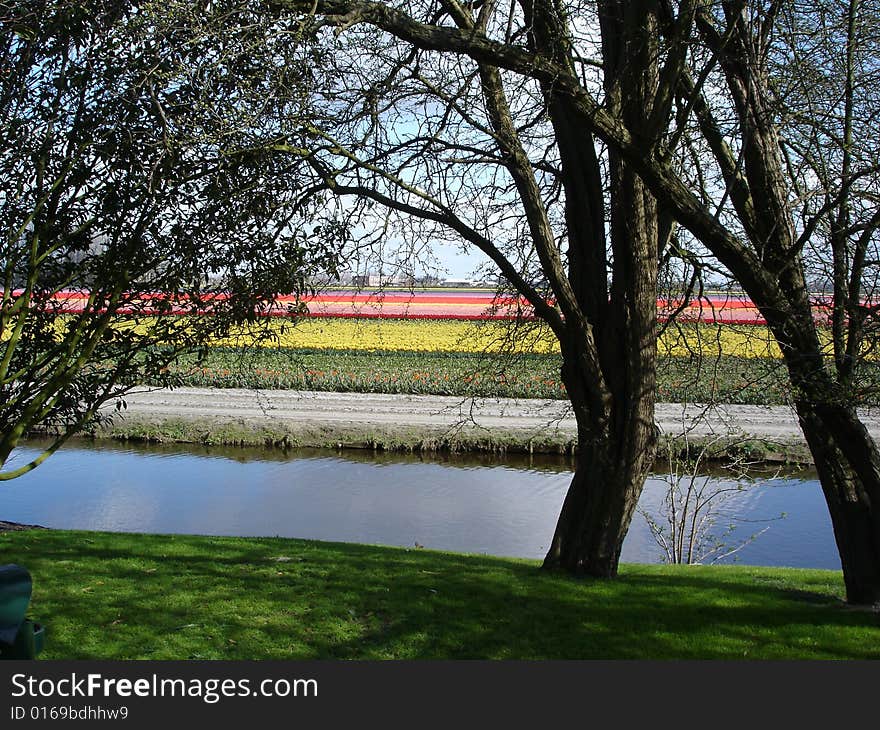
(480, 305)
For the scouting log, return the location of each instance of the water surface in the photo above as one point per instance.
(476, 504)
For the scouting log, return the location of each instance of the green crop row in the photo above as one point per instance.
(729, 379)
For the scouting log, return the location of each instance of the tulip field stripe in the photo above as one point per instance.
(456, 335)
(467, 306)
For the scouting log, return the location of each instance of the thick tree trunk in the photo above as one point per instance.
(849, 469)
(599, 507)
(613, 460)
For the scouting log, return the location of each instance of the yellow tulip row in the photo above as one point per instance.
(446, 335)
(476, 336)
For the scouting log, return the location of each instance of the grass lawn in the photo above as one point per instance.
(123, 596)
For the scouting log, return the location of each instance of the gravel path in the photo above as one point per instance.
(319, 408)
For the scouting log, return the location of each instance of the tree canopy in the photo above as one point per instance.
(130, 188)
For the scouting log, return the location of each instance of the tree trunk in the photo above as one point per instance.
(843, 451)
(598, 509)
(849, 470)
(616, 446)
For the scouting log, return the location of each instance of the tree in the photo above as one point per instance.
(437, 146)
(128, 188)
(799, 174)
(539, 83)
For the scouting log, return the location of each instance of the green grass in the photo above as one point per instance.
(115, 596)
(728, 379)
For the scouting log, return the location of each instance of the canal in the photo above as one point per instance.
(462, 503)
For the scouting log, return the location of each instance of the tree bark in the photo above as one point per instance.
(846, 458)
(601, 501)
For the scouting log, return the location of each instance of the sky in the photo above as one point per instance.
(458, 265)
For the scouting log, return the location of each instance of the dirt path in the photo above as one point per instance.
(330, 410)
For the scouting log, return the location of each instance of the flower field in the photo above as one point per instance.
(424, 373)
(475, 321)
(491, 336)
(457, 304)
(440, 344)
(409, 335)
(728, 379)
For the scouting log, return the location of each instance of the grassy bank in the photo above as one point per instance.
(114, 596)
(296, 435)
(419, 439)
(680, 379)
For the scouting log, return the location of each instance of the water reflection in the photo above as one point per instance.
(502, 505)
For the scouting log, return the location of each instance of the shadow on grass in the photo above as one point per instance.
(126, 596)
